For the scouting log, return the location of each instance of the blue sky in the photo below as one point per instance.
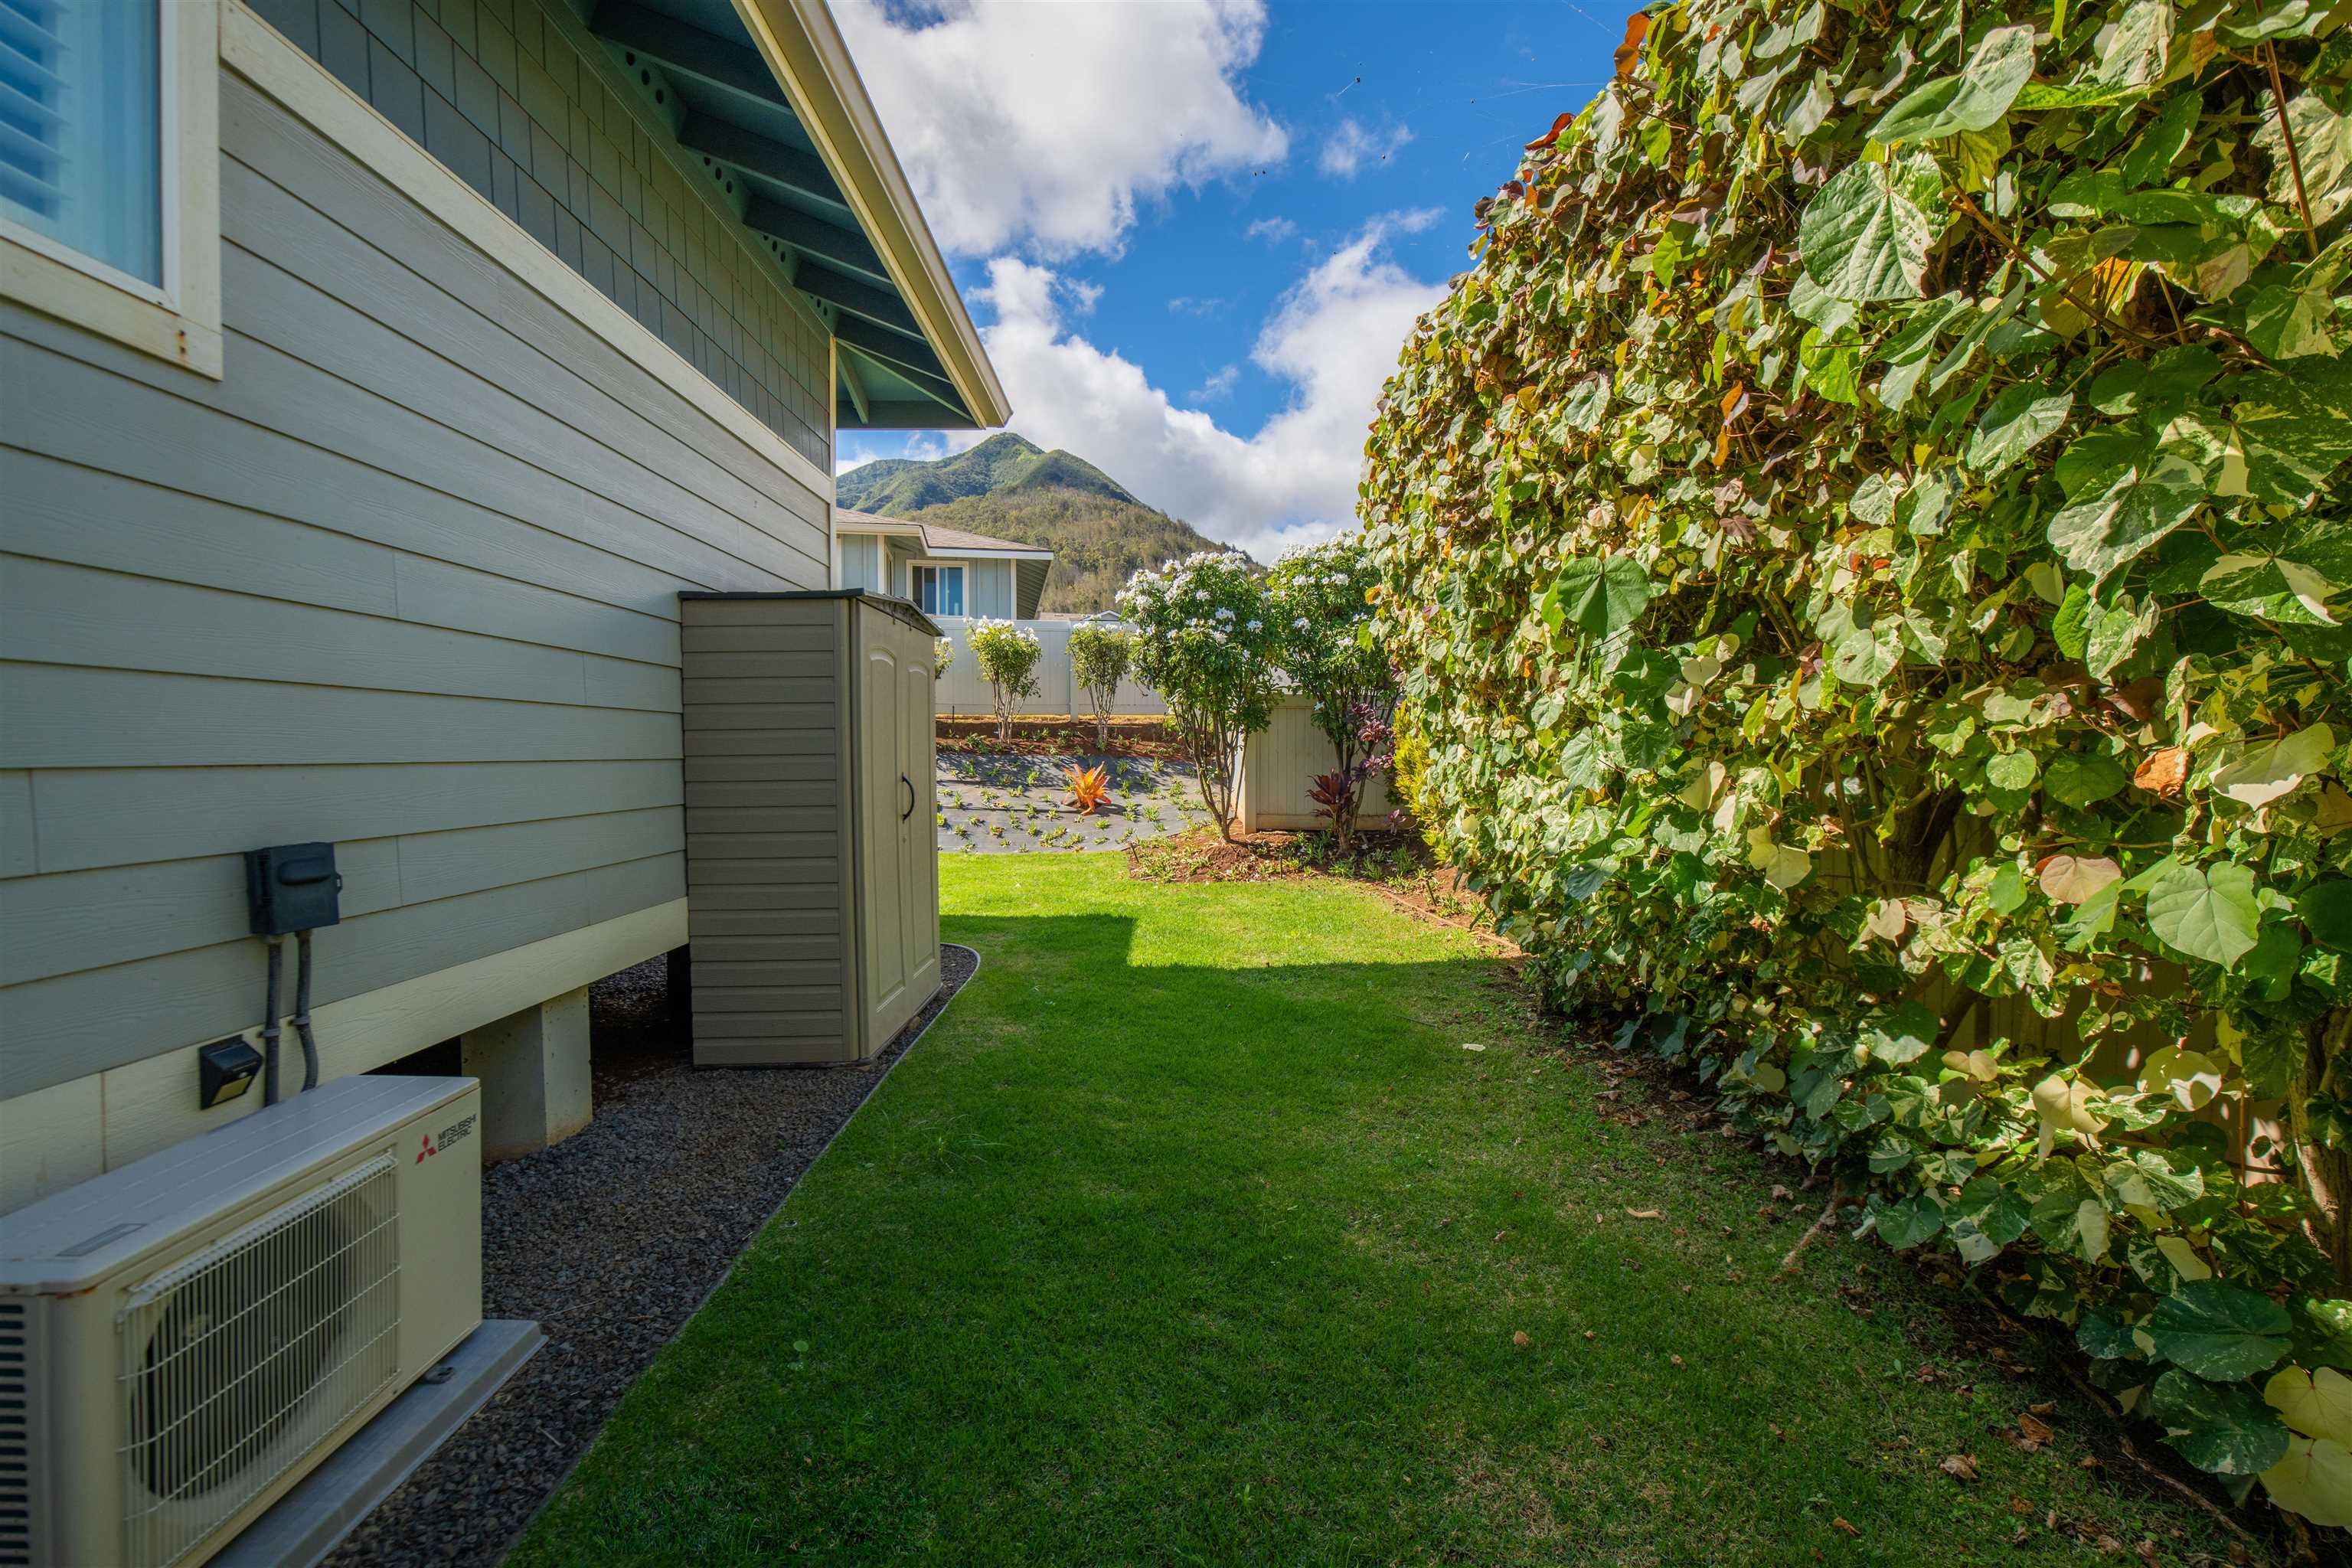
(1194, 232)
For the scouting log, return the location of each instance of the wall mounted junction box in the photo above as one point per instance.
(292, 887)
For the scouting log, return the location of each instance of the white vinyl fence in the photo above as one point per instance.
(962, 691)
(1280, 764)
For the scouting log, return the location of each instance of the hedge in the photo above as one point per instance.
(1864, 543)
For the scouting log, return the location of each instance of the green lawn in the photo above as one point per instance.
(1191, 1234)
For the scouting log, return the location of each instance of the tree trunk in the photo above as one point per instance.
(2327, 1172)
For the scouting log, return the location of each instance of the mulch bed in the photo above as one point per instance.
(1056, 736)
(612, 1239)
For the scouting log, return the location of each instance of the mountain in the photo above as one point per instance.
(1010, 488)
(894, 487)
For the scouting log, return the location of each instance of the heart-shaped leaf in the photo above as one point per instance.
(2313, 1479)
(2208, 912)
(2218, 1426)
(2071, 878)
(1864, 237)
(2015, 423)
(1602, 595)
(2316, 1403)
(2218, 1330)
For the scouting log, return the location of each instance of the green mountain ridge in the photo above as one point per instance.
(894, 487)
(1010, 488)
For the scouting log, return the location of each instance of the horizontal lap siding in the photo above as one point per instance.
(405, 579)
(765, 824)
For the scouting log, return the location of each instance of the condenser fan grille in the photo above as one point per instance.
(237, 1360)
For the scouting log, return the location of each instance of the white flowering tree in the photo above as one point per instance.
(942, 656)
(1204, 642)
(1324, 644)
(1100, 657)
(1007, 655)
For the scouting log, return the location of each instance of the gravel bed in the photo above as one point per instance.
(995, 803)
(610, 1240)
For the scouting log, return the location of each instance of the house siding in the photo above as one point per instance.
(861, 563)
(404, 579)
(519, 101)
(991, 588)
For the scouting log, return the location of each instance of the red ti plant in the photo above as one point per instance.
(1334, 796)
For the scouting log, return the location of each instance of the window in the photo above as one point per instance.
(110, 169)
(938, 590)
(81, 147)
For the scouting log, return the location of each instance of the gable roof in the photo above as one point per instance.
(938, 539)
(765, 91)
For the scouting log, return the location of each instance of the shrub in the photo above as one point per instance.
(1325, 646)
(1100, 657)
(1204, 644)
(1865, 542)
(942, 657)
(1007, 655)
(1409, 778)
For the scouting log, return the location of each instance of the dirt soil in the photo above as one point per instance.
(1056, 736)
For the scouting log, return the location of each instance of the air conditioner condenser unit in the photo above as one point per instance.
(183, 1339)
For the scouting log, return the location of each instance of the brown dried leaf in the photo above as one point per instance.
(2164, 771)
(1628, 53)
(1840, 1523)
(1544, 141)
(2036, 1429)
(2141, 698)
(1646, 1214)
(1959, 1467)
(1520, 1336)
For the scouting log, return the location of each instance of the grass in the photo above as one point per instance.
(1193, 1235)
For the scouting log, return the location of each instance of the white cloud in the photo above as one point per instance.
(1042, 126)
(853, 450)
(1350, 146)
(1273, 230)
(1333, 339)
(1191, 305)
(1218, 386)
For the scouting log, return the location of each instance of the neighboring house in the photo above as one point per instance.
(370, 398)
(946, 571)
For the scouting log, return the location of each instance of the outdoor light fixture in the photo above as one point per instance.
(224, 1070)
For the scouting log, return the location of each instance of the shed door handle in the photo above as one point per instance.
(910, 798)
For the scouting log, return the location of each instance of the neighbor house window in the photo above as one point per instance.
(939, 589)
(110, 168)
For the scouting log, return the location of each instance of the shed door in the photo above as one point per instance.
(920, 902)
(882, 791)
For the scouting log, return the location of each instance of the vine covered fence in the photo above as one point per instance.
(1866, 546)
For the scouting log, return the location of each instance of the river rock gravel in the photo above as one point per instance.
(610, 1240)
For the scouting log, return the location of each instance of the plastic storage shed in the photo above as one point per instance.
(812, 865)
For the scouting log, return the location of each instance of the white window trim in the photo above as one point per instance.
(915, 594)
(180, 321)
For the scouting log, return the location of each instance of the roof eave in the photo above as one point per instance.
(804, 50)
(972, 553)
